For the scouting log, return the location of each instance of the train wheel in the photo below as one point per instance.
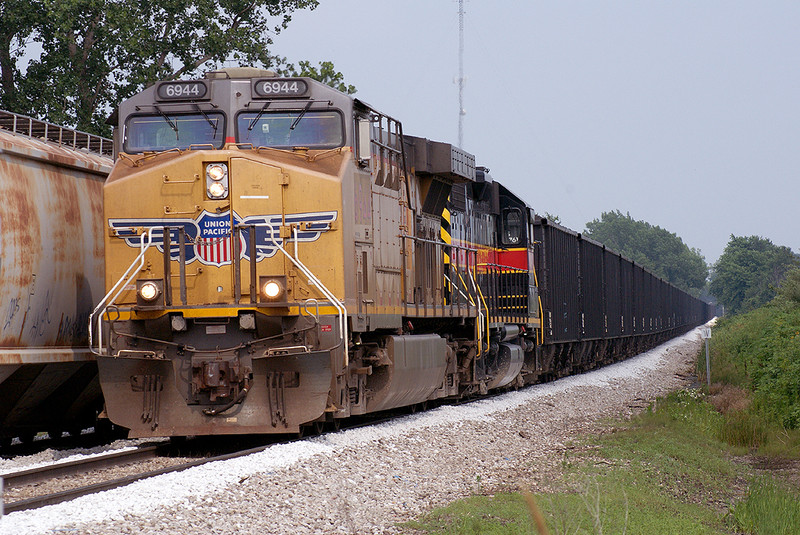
(55, 433)
(103, 427)
(319, 428)
(335, 424)
(178, 441)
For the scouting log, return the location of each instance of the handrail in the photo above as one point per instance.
(461, 293)
(440, 242)
(342, 310)
(480, 314)
(501, 266)
(540, 337)
(471, 300)
(53, 133)
(144, 246)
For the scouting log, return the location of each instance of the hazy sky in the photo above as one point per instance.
(685, 113)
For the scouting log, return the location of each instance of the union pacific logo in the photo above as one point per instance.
(209, 236)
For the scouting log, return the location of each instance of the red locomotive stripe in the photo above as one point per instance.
(504, 258)
(515, 258)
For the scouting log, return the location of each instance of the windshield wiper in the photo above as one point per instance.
(257, 117)
(169, 121)
(301, 115)
(212, 123)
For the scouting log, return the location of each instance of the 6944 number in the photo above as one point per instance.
(271, 88)
(181, 90)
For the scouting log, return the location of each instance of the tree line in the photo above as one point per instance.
(749, 274)
(654, 248)
(71, 62)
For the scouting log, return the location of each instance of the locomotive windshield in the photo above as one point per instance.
(291, 128)
(163, 131)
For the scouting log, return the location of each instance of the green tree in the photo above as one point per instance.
(658, 250)
(553, 218)
(789, 290)
(95, 53)
(325, 73)
(749, 271)
(16, 19)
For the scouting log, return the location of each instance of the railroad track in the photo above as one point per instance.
(46, 473)
(76, 468)
(41, 474)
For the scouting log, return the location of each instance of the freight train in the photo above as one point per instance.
(51, 224)
(280, 255)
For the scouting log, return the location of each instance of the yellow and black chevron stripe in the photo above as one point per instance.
(444, 232)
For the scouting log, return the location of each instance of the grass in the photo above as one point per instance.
(770, 508)
(669, 470)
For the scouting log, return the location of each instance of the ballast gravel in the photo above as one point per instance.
(367, 480)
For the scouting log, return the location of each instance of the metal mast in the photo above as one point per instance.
(461, 80)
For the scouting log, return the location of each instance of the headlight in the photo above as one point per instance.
(216, 171)
(148, 291)
(272, 288)
(217, 180)
(216, 190)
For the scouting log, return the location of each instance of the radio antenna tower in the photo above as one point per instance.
(461, 79)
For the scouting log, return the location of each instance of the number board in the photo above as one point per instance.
(191, 90)
(283, 87)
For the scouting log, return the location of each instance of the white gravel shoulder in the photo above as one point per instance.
(367, 480)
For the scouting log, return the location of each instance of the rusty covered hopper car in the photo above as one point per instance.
(51, 271)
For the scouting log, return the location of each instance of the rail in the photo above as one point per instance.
(51, 471)
(60, 135)
(509, 289)
(338, 304)
(456, 294)
(169, 247)
(481, 332)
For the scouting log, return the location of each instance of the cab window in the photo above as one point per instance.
(158, 132)
(512, 226)
(287, 129)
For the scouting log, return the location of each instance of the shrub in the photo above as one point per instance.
(760, 351)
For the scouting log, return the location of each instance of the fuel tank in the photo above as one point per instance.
(416, 370)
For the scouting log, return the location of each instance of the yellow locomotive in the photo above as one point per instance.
(274, 260)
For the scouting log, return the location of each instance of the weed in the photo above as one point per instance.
(744, 429)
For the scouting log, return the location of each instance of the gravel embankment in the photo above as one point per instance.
(366, 480)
